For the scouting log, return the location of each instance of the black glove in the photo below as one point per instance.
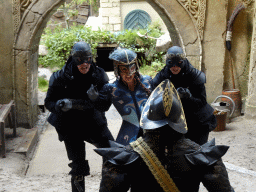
(93, 93)
(184, 93)
(64, 105)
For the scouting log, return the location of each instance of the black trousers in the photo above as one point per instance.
(76, 150)
(199, 132)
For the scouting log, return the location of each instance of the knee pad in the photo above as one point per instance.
(79, 167)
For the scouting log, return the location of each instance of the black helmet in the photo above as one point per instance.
(175, 56)
(125, 57)
(81, 53)
(164, 107)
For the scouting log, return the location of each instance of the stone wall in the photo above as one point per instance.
(113, 13)
(250, 106)
(214, 47)
(240, 49)
(6, 44)
(25, 49)
(110, 13)
(128, 6)
(59, 19)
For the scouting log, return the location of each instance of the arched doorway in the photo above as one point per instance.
(25, 52)
(181, 28)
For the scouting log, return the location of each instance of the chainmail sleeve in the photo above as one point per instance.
(114, 178)
(216, 178)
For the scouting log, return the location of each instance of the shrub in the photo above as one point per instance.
(152, 70)
(59, 43)
(42, 84)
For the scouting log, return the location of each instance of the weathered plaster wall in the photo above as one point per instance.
(214, 47)
(128, 6)
(240, 49)
(6, 44)
(250, 108)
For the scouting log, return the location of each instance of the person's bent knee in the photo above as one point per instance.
(79, 167)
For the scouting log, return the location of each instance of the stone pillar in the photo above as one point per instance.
(250, 106)
(111, 15)
(214, 47)
(25, 51)
(6, 45)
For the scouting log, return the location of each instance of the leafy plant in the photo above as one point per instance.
(42, 84)
(59, 43)
(152, 69)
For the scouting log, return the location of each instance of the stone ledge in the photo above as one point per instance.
(29, 141)
(101, 45)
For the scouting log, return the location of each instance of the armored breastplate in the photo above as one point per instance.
(129, 104)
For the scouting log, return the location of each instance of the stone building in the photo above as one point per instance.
(199, 26)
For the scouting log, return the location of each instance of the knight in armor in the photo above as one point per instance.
(163, 160)
(72, 113)
(190, 84)
(128, 93)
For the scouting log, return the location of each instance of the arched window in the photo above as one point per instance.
(137, 19)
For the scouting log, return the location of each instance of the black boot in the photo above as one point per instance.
(77, 183)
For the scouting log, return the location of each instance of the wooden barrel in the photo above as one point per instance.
(221, 117)
(235, 95)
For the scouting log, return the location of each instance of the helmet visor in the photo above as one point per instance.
(171, 56)
(127, 69)
(175, 59)
(82, 59)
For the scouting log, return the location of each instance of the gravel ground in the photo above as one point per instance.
(240, 135)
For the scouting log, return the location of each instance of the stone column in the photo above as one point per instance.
(214, 47)
(25, 50)
(6, 45)
(250, 106)
(111, 15)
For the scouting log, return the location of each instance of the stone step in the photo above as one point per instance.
(29, 141)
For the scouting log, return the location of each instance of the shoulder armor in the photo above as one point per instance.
(146, 78)
(200, 78)
(55, 77)
(207, 154)
(196, 75)
(118, 154)
(99, 75)
(104, 74)
(51, 80)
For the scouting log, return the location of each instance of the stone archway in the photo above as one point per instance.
(25, 52)
(182, 25)
(175, 14)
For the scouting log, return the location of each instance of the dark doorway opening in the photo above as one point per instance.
(102, 58)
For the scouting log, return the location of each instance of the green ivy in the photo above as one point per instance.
(152, 69)
(60, 41)
(43, 84)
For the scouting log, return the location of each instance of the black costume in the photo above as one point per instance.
(189, 82)
(73, 115)
(183, 163)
